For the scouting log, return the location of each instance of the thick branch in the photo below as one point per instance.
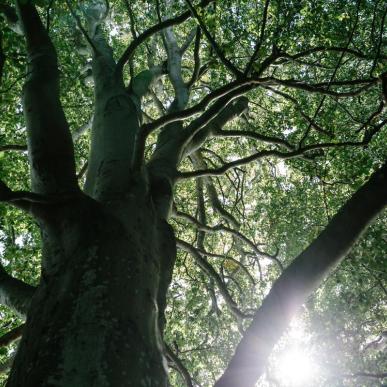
(230, 112)
(175, 54)
(300, 279)
(11, 335)
(14, 293)
(49, 140)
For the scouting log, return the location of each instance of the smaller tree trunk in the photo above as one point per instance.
(300, 279)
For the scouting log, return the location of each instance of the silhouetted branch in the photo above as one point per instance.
(128, 53)
(11, 336)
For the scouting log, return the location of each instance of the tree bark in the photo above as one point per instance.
(94, 319)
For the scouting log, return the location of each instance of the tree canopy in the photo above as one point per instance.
(283, 105)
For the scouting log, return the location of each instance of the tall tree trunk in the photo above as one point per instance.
(94, 319)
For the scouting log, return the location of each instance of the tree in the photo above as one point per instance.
(186, 136)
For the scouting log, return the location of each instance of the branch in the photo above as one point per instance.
(219, 228)
(7, 195)
(14, 293)
(239, 87)
(11, 335)
(300, 279)
(313, 50)
(260, 40)
(230, 91)
(190, 37)
(2, 57)
(50, 145)
(196, 69)
(254, 136)
(35, 204)
(175, 54)
(210, 271)
(227, 114)
(272, 153)
(131, 18)
(80, 26)
(213, 43)
(311, 121)
(11, 147)
(321, 90)
(179, 365)
(128, 53)
(82, 129)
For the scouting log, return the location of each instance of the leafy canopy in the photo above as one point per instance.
(326, 60)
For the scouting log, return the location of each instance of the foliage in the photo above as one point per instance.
(278, 205)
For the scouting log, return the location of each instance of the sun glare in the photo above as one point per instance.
(296, 368)
(294, 365)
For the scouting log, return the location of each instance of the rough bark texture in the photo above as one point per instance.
(94, 320)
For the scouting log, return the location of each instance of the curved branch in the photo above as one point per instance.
(210, 271)
(266, 153)
(196, 69)
(128, 53)
(179, 365)
(227, 114)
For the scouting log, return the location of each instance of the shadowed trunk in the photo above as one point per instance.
(94, 318)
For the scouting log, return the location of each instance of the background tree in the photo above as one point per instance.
(252, 128)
